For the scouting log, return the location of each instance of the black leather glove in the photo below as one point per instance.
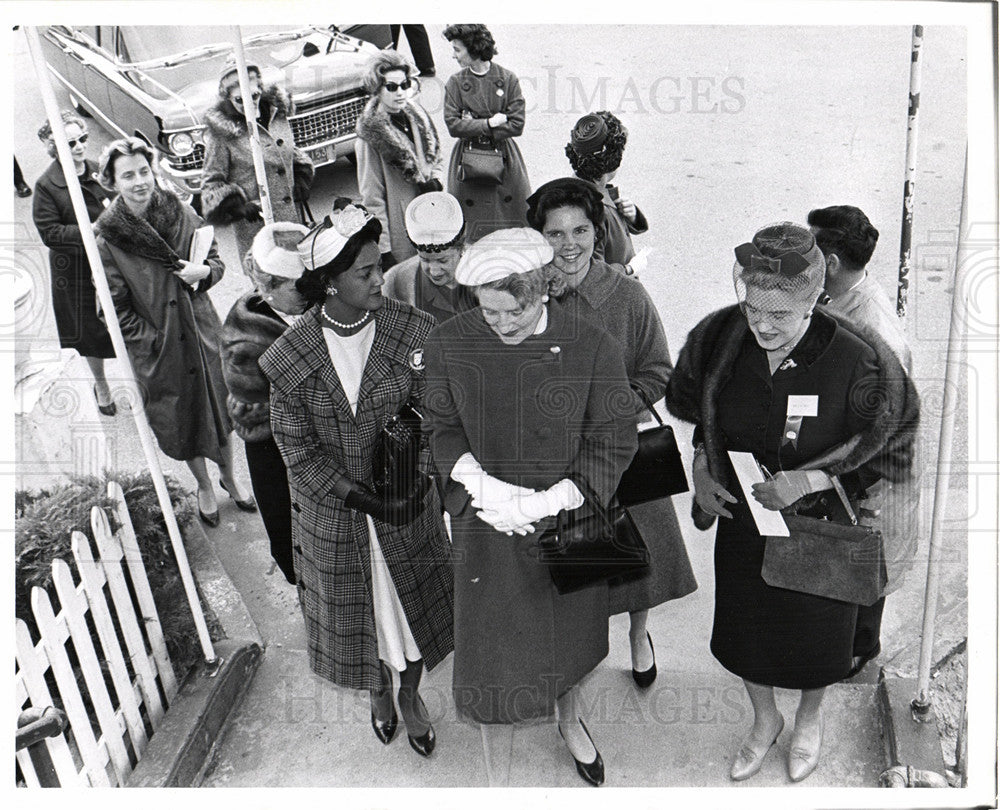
(396, 511)
(251, 212)
(300, 190)
(388, 260)
(429, 185)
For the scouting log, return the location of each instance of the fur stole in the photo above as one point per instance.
(225, 122)
(375, 128)
(705, 364)
(152, 236)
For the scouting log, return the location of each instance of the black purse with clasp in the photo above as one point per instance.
(396, 465)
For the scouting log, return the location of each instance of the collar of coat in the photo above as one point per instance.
(56, 176)
(375, 129)
(601, 281)
(301, 351)
(150, 236)
(705, 365)
(225, 121)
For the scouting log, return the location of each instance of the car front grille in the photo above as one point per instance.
(328, 122)
(187, 163)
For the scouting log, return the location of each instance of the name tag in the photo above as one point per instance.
(803, 405)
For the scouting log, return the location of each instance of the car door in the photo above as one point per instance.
(132, 105)
(76, 58)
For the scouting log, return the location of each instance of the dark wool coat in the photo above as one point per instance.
(171, 330)
(615, 244)
(468, 102)
(884, 449)
(405, 282)
(390, 166)
(556, 405)
(622, 307)
(322, 443)
(229, 168)
(249, 330)
(74, 298)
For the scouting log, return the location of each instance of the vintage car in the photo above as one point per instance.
(156, 82)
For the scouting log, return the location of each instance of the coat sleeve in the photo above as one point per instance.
(448, 439)
(609, 438)
(459, 127)
(514, 110)
(313, 470)
(371, 184)
(641, 224)
(652, 356)
(134, 328)
(45, 211)
(215, 185)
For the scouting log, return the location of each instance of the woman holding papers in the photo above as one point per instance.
(781, 379)
(170, 326)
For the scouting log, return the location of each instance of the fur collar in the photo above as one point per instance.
(151, 236)
(375, 128)
(225, 121)
(705, 364)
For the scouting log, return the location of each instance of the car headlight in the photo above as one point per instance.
(181, 143)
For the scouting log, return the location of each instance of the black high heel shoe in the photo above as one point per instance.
(107, 410)
(424, 744)
(645, 678)
(591, 772)
(386, 730)
(245, 505)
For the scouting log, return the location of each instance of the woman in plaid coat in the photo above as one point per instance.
(373, 569)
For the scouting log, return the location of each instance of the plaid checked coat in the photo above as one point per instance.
(322, 442)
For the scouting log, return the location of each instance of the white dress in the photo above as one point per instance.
(396, 644)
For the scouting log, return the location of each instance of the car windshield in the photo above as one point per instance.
(148, 43)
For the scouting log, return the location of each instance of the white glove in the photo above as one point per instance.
(484, 489)
(519, 513)
(639, 262)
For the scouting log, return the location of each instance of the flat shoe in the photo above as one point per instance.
(590, 772)
(645, 678)
(108, 410)
(748, 761)
(802, 761)
(246, 505)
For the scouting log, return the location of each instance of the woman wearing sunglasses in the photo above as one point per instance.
(229, 190)
(398, 151)
(74, 299)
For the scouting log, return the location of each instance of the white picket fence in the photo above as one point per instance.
(143, 682)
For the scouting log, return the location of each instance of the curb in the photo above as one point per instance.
(180, 748)
(910, 746)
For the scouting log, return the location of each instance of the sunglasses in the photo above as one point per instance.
(392, 87)
(256, 94)
(82, 139)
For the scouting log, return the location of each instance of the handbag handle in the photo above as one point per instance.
(590, 498)
(839, 488)
(649, 405)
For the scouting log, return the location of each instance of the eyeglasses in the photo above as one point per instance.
(392, 87)
(80, 139)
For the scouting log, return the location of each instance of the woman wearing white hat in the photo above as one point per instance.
(373, 566)
(436, 227)
(256, 320)
(524, 402)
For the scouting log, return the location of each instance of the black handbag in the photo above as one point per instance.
(481, 163)
(592, 544)
(656, 470)
(825, 558)
(396, 464)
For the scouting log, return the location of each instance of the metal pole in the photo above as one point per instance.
(906, 233)
(149, 447)
(921, 704)
(248, 112)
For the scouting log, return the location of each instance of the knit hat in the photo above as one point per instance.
(504, 253)
(275, 249)
(434, 221)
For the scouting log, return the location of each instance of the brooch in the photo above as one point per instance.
(499, 91)
(787, 363)
(417, 359)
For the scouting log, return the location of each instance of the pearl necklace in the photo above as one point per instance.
(340, 325)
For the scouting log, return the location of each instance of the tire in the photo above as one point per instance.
(75, 102)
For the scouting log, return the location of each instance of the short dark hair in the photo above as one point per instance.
(568, 192)
(608, 158)
(846, 231)
(476, 38)
(312, 284)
